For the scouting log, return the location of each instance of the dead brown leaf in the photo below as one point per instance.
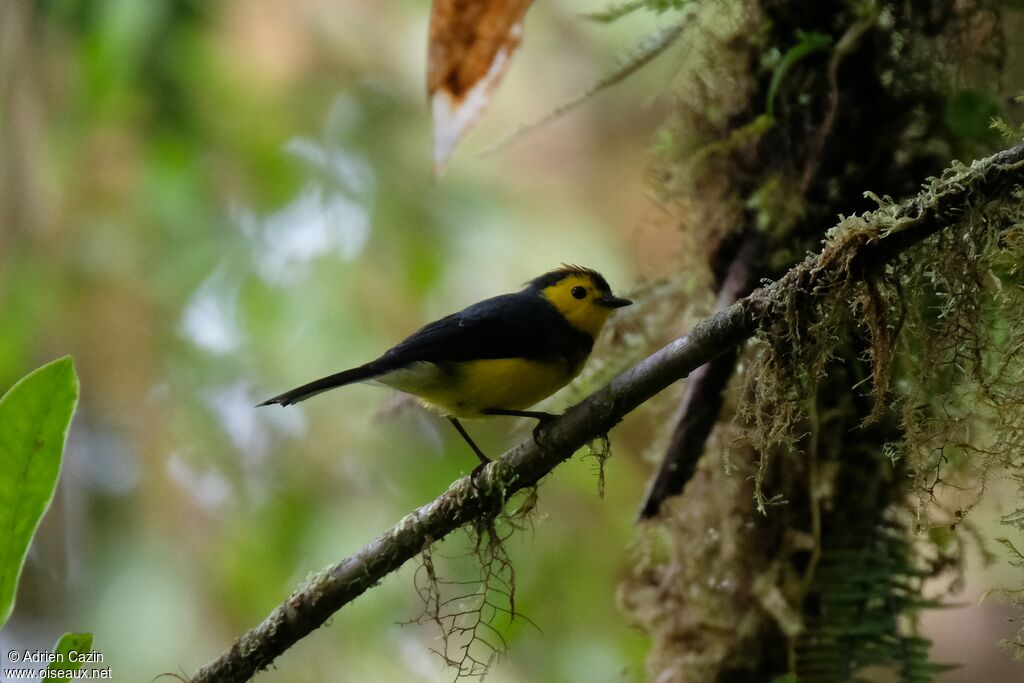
(471, 42)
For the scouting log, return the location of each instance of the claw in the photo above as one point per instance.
(538, 430)
(474, 478)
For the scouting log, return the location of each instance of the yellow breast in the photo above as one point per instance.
(466, 389)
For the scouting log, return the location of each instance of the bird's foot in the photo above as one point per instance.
(473, 476)
(543, 420)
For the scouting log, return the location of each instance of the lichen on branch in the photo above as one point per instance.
(934, 286)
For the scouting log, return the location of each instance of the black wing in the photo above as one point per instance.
(520, 325)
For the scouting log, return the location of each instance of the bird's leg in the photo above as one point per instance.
(476, 449)
(542, 418)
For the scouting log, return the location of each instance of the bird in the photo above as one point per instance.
(498, 356)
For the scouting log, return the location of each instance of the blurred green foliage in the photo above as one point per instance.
(205, 203)
(969, 114)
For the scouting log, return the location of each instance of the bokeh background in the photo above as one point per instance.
(206, 203)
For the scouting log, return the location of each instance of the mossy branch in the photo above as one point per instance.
(854, 249)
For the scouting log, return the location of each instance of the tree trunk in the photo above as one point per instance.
(791, 111)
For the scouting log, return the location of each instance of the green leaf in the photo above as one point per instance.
(65, 645)
(810, 42)
(969, 114)
(34, 419)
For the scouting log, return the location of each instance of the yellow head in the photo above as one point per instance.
(581, 295)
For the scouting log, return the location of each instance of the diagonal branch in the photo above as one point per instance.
(704, 395)
(857, 251)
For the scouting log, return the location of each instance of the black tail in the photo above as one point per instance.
(338, 379)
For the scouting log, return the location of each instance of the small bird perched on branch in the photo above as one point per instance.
(496, 357)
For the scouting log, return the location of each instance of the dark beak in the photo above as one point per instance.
(613, 301)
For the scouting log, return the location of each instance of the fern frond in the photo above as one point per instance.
(650, 47)
(616, 11)
(859, 604)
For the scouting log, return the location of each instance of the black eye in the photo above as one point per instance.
(579, 292)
